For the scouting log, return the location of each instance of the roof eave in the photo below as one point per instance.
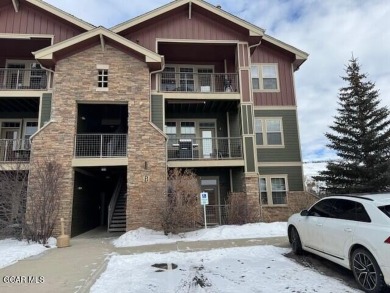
(253, 30)
(48, 53)
(62, 14)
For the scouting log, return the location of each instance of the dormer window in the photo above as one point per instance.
(102, 80)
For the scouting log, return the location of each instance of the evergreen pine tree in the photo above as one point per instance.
(360, 137)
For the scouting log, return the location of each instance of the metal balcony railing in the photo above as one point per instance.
(225, 148)
(100, 145)
(15, 150)
(23, 79)
(198, 82)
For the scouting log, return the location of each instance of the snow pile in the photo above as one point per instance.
(144, 236)
(244, 269)
(12, 250)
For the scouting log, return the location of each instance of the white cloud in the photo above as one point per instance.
(330, 31)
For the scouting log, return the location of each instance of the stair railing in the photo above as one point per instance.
(114, 198)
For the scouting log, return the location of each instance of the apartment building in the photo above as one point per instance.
(186, 85)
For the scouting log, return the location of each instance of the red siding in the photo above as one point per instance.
(31, 20)
(286, 96)
(178, 26)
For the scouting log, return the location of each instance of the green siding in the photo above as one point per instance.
(294, 174)
(244, 118)
(237, 176)
(250, 155)
(234, 123)
(291, 151)
(158, 111)
(46, 108)
(250, 119)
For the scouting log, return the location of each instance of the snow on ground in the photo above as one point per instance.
(144, 236)
(12, 250)
(243, 269)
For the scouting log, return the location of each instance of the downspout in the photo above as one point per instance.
(150, 117)
(261, 205)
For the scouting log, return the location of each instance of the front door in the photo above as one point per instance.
(208, 143)
(213, 209)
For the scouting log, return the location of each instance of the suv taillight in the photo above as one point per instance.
(387, 240)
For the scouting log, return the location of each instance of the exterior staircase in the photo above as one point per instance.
(118, 220)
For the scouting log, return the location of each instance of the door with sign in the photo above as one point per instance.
(212, 209)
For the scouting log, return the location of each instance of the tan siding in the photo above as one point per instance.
(178, 26)
(30, 20)
(286, 95)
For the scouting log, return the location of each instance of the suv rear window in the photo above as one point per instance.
(385, 210)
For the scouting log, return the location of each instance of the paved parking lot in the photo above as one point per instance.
(327, 268)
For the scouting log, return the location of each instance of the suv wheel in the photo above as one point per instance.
(295, 241)
(366, 271)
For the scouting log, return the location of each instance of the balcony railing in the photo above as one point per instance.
(14, 150)
(100, 145)
(23, 79)
(226, 148)
(198, 82)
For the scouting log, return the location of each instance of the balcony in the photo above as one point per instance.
(14, 150)
(23, 79)
(100, 146)
(190, 82)
(225, 148)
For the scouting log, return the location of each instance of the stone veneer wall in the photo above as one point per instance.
(296, 201)
(76, 81)
(251, 189)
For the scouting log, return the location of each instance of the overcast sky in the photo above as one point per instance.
(329, 30)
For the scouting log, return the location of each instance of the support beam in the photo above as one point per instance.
(15, 3)
(189, 10)
(102, 42)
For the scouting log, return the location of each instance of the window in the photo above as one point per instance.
(350, 210)
(102, 78)
(187, 79)
(168, 79)
(269, 132)
(187, 129)
(30, 128)
(170, 130)
(323, 208)
(273, 190)
(265, 77)
(385, 210)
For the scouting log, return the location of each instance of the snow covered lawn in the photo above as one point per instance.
(13, 250)
(144, 236)
(244, 269)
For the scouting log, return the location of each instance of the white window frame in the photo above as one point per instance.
(25, 128)
(257, 73)
(102, 71)
(197, 122)
(263, 130)
(268, 180)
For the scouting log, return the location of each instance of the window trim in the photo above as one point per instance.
(261, 78)
(264, 132)
(269, 189)
(100, 83)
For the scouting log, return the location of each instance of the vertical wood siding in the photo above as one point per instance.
(286, 95)
(178, 26)
(30, 20)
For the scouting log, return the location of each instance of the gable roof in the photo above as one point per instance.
(300, 56)
(47, 55)
(253, 30)
(57, 12)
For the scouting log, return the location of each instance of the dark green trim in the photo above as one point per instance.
(244, 117)
(250, 119)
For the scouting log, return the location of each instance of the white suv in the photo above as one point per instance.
(352, 231)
